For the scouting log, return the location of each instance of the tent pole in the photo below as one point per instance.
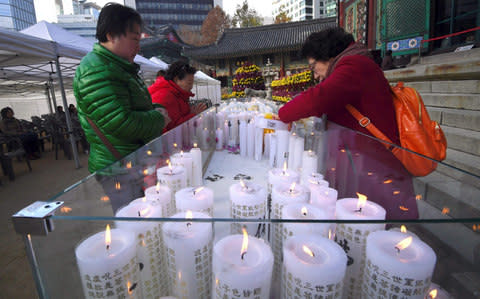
(67, 114)
(54, 98)
(49, 101)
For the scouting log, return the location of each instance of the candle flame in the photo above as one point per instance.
(342, 150)
(129, 164)
(108, 236)
(242, 184)
(418, 197)
(304, 211)
(445, 210)
(198, 189)
(189, 215)
(292, 187)
(307, 251)
(403, 208)
(145, 171)
(195, 145)
(403, 229)
(117, 186)
(143, 212)
(314, 182)
(169, 165)
(244, 243)
(370, 173)
(284, 166)
(331, 234)
(157, 187)
(65, 209)
(388, 181)
(433, 294)
(396, 192)
(149, 152)
(175, 145)
(181, 153)
(105, 198)
(404, 243)
(362, 200)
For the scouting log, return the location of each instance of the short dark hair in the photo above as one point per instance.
(5, 111)
(326, 44)
(116, 19)
(179, 69)
(161, 73)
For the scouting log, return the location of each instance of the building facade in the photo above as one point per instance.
(176, 12)
(301, 10)
(17, 14)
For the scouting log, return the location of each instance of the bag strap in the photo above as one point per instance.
(104, 139)
(365, 122)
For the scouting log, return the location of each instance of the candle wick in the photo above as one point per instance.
(398, 249)
(139, 214)
(243, 254)
(359, 210)
(304, 214)
(108, 247)
(189, 224)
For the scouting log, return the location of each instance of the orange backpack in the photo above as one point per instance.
(418, 133)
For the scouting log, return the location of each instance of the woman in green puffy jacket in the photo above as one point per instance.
(110, 93)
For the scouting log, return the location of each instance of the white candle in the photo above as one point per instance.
(205, 139)
(397, 265)
(258, 143)
(233, 119)
(197, 167)
(109, 268)
(163, 195)
(219, 139)
(242, 273)
(313, 267)
(248, 201)
(199, 199)
(281, 176)
(226, 133)
(185, 160)
(173, 177)
(149, 245)
(243, 138)
(272, 144)
(309, 163)
(282, 195)
(291, 150)
(250, 138)
(303, 211)
(188, 246)
(352, 237)
(316, 179)
(298, 150)
(282, 146)
(324, 198)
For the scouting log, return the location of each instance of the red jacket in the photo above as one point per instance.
(356, 80)
(174, 99)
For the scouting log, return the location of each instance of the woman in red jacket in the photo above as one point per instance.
(174, 91)
(348, 75)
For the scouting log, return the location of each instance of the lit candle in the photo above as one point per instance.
(248, 201)
(163, 195)
(313, 267)
(281, 176)
(324, 197)
(199, 199)
(352, 237)
(226, 133)
(185, 160)
(188, 246)
(309, 164)
(251, 138)
(219, 139)
(437, 292)
(298, 148)
(303, 211)
(173, 177)
(205, 140)
(197, 166)
(149, 245)
(108, 261)
(242, 266)
(403, 263)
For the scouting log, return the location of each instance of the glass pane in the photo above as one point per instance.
(443, 10)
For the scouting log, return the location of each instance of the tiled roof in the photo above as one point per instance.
(261, 39)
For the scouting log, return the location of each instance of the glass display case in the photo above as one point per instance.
(236, 170)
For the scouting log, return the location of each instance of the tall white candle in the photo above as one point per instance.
(149, 245)
(291, 150)
(185, 160)
(219, 139)
(205, 139)
(272, 153)
(188, 246)
(298, 148)
(248, 201)
(109, 268)
(197, 167)
(313, 267)
(199, 199)
(173, 177)
(352, 238)
(258, 143)
(163, 195)
(309, 163)
(226, 130)
(282, 146)
(240, 273)
(397, 266)
(250, 138)
(243, 138)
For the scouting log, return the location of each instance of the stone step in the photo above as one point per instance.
(445, 193)
(459, 237)
(456, 101)
(468, 164)
(463, 140)
(452, 86)
(458, 118)
(451, 57)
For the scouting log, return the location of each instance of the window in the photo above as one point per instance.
(266, 57)
(5, 10)
(309, 10)
(308, 2)
(321, 11)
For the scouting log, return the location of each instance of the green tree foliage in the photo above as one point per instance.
(246, 17)
(282, 16)
(214, 25)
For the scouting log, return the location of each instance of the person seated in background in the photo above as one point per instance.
(72, 110)
(173, 91)
(387, 62)
(11, 127)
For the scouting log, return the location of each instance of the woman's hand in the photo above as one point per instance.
(165, 115)
(196, 109)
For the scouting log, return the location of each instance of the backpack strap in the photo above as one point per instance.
(365, 122)
(104, 139)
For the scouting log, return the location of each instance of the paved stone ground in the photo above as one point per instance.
(47, 178)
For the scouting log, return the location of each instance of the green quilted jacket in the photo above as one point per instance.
(110, 92)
